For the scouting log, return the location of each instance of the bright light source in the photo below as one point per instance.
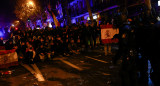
(158, 18)
(1, 34)
(158, 3)
(30, 3)
(73, 21)
(12, 25)
(98, 16)
(88, 18)
(95, 17)
(50, 25)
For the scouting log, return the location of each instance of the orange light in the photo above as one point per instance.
(30, 3)
(129, 20)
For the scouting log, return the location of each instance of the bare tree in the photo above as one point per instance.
(89, 10)
(67, 12)
(149, 7)
(28, 10)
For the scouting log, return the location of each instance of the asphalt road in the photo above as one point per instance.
(85, 69)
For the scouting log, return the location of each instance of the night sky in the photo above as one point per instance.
(7, 7)
(7, 12)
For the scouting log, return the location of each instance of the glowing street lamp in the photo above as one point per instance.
(159, 3)
(31, 3)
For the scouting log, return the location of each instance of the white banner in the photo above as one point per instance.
(108, 33)
(8, 58)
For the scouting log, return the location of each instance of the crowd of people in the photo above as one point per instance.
(138, 36)
(43, 44)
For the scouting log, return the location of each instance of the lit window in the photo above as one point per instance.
(95, 17)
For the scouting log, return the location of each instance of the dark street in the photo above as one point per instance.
(79, 42)
(85, 69)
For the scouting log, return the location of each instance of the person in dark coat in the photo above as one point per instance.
(1, 41)
(88, 36)
(154, 54)
(9, 44)
(30, 54)
(94, 31)
(127, 53)
(42, 52)
(21, 51)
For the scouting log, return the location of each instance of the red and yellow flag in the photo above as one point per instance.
(57, 24)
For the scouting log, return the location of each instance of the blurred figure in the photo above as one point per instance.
(1, 41)
(127, 53)
(21, 51)
(88, 37)
(154, 54)
(93, 32)
(30, 54)
(9, 44)
(6, 32)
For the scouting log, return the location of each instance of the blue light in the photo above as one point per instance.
(1, 34)
(75, 1)
(73, 21)
(62, 24)
(48, 20)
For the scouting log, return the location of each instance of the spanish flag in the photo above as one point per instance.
(57, 24)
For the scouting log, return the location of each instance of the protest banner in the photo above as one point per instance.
(8, 58)
(107, 34)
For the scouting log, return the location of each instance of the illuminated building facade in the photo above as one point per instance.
(101, 9)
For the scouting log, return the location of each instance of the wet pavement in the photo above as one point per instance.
(86, 69)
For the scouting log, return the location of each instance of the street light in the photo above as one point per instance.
(31, 3)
